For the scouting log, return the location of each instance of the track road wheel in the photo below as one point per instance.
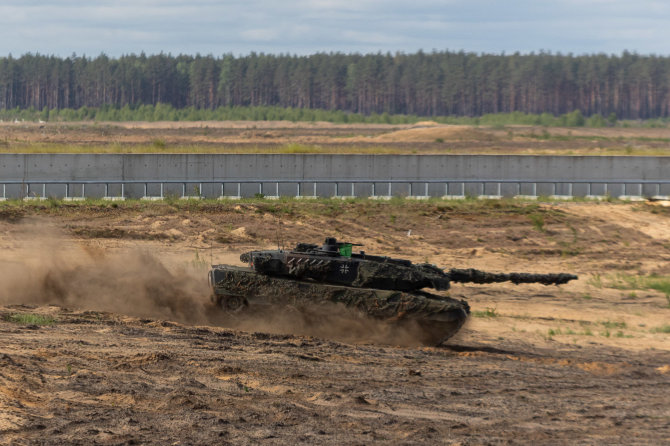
(233, 304)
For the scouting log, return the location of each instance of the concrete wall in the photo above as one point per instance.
(44, 167)
(37, 167)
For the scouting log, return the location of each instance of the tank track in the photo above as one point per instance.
(238, 289)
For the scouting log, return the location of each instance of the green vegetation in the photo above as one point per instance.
(611, 324)
(661, 284)
(633, 282)
(199, 262)
(489, 312)
(554, 332)
(545, 135)
(165, 112)
(30, 319)
(587, 332)
(662, 329)
(596, 280)
(538, 221)
(572, 90)
(570, 248)
(288, 204)
(163, 147)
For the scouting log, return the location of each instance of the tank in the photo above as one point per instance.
(385, 288)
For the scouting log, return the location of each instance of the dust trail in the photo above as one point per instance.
(40, 265)
(323, 320)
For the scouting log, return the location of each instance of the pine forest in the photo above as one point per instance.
(440, 83)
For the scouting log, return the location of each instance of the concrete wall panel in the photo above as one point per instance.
(236, 167)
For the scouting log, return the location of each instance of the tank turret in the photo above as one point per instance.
(334, 262)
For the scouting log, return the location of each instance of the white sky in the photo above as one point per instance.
(64, 27)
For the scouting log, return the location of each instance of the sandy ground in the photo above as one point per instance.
(321, 137)
(136, 354)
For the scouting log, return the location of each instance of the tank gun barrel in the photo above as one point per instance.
(334, 263)
(472, 275)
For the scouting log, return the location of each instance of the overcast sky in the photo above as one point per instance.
(91, 27)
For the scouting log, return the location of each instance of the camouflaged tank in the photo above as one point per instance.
(381, 287)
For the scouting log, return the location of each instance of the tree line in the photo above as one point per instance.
(165, 112)
(440, 83)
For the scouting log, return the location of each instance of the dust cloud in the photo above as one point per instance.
(328, 321)
(40, 264)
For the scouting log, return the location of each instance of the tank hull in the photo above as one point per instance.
(238, 289)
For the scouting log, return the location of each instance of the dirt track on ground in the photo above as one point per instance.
(321, 137)
(137, 354)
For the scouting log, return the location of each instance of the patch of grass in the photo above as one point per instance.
(568, 331)
(633, 282)
(625, 282)
(662, 329)
(596, 281)
(432, 207)
(489, 312)
(300, 148)
(52, 202)
(30, 319)
(199, 262)
(613, 324)
(160, 146)
(538, 222)
(570, 248)
(660, 284)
